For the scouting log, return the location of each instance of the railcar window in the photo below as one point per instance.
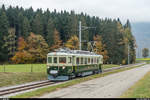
(89, 60)
(85, 60)
(94, 60)
(101, 60)
(98, 60)
(62, 59)
(69, 60)
(77, 60)
(81, 60)
(55, 60)
(49, 59)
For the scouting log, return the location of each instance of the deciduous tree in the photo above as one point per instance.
(99, 48)
(22, 55)
(145, 52)
(57, 42)
(73, 43)
(37, 47)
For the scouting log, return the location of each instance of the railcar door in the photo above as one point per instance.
(73, 63)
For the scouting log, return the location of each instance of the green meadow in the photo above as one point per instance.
(23, 68)
(35, 67)
(147, 60)
(143, 59)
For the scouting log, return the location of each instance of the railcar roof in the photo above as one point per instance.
(62, 52)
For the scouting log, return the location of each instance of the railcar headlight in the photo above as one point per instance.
(53, 71)
(63, 67)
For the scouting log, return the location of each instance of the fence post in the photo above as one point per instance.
(31, 68)
(4, 68)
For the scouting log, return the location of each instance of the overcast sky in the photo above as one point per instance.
(134, 10)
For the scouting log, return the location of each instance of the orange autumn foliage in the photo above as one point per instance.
(22, 56)
(99, 48)
(57, 42)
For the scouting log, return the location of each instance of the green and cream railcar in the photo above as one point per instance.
(66, 64)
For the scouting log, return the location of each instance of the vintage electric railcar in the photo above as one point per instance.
(65, 64)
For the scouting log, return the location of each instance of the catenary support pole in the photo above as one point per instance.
(128, 54)
(80, 35)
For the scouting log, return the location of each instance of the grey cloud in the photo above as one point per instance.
(135, 10)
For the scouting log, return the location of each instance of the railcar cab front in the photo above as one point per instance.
(59, 65)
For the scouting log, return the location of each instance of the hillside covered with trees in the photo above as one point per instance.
(26, 36)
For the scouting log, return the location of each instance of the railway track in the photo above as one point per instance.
(110, 69)
(45, 83)
(25, 87)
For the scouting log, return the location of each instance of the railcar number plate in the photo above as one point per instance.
(53, 71)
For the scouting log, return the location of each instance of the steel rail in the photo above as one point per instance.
(124, 66)
(25, 87)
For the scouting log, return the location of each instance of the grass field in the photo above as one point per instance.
(147, 60)
(9, 78)
(23, 68)
(141, 89)
(143, 59)
(35, 67)
(21, 73)
(109, 66)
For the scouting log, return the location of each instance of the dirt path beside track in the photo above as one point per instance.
(111, 86)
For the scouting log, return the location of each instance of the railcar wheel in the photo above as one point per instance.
(70, 78)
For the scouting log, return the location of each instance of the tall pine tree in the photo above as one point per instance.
(3, 32)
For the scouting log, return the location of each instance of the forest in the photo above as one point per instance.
(26, 36)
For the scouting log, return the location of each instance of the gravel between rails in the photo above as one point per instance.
(111, 86)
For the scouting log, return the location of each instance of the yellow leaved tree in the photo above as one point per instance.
(73, 43)
(99, 48)
(57, 42)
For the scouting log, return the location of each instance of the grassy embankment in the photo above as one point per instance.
(140, 89)
(42, 91)
(143, 60)
(22, 73)
(109, 66)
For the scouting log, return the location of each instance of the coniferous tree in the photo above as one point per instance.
(3, 33)
(50, 32)
(26, 27)
(130, 41)
(10, 42)
(20, 24)
(37, 25)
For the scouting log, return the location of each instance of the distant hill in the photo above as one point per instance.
(141, 32)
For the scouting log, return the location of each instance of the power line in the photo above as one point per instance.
(80, 30)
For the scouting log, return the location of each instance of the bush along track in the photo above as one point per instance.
(41, 91)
